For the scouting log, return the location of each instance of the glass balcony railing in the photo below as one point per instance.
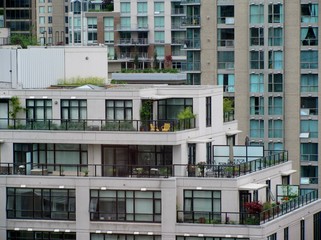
(246, 218)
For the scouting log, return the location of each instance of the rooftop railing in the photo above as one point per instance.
(97, 125)
(145, 171)
(245, 218)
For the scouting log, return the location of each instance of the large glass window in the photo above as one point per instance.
(159, 7)
(275, 60)
(257, 59)
(275, 106)
(257, 14)
(36, 235)
(256, 106)
(202, 203)
(275, 36)
(142, 7)
(276, 13)
(225, 37)
(159, 22)
(159, 37)
(309, 83)
(106, 236)
(275, 128)
(168, 109)
(309, 106)
(125, 8)
(309, 13)
(225, 59)
(275, 82)
(257, 128)
(256, 83)
(309, 59)
(309, 126)
(317, 226)
(39, 109)
(309, 36)
(73, 109)
(41, 203)
(109, 29)
(272, 237)
(309, 151)
(119, 109)
(125, 206)
(225, 14)
(227, 81)
(256, 36)
(125, 22)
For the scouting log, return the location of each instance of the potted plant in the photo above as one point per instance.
(146, 114)
(201, 166)
(185, 118)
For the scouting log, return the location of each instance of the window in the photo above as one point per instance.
(225, 14)
(41, 1)
(275, 128)
(257, 14)
(77, 23)
(92, 23)
(275, 36)
(309, 106)
(106, 236)
(275, 106)
(168, 109)
(49, 9)
(256, 128)
(109, 29)
(41, 203)
(159, 8)
(309, 126)
(309, 59)
(275, 82)
(125, 206)
(142, 22)
(38, 109)
(256, 83)
(159, 36)
(119, 109)
(256, 36)
(309, 36)
(160, 51)
(77, 37)
(225, 37)
(227, 81)
(202, 204)
(52, 154)
(256, 106)
(309, 13)
(302, 230)
(73, 109)
(159, 22)
(257, 59)
(275, 13)
(35, 235)
(125, 8)
(317, 226)
(41, 9)
(193, 79)
(125, 22)
(208, 111)
(142, 7)
(309, 151)
(49, 19)
(309, 83)
(272, 237)
(42, 20)
(225, 59)
(275, 60)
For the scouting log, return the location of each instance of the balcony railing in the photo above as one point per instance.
(145, 171)
(191, 21)
(229, 116)
(128, 41)
(190, 1)
(97, 125)
(244, 218)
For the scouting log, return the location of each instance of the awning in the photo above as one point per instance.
(252, 186)
(287, 173)
(232, 132)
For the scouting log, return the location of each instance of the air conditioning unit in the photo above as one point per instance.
(229, 20)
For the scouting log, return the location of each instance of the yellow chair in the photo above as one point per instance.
(166, 127)
(153, 128)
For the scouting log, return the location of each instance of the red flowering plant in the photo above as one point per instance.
(253, 207)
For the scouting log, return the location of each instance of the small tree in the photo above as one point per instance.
(136, 61)
(23, 40)
(168, 61)
(15, 107)
(185, 117)
(227, 105)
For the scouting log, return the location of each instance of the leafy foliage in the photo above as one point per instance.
(23, 40)
(227, 105)
(79, 81)
(15, 107)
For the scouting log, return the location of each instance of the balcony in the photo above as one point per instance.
(192, 66)
(178, 11)
(133, 28)
(192, 44)
(132, 42)
(191, 21)
(190, 2)
(97, 125)
(132, 55)
(145, 171)
(247, 218)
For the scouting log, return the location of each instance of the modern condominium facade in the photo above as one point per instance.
(118, 162)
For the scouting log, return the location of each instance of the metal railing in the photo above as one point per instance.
(245, 218)
(145, 171)
(132, 41)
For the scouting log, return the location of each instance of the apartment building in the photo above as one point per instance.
(118, 163)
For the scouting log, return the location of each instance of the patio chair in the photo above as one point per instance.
(166, 127)
(153, 128)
